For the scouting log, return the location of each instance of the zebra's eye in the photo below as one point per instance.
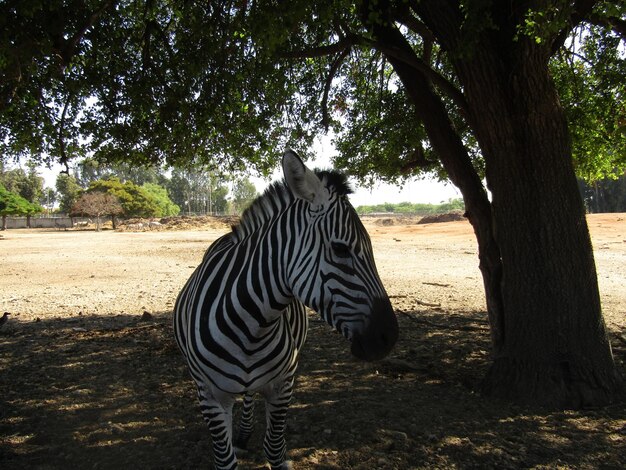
(341, 249)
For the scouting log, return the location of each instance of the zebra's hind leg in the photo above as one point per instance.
(277, 399)
(245, 424)
(218, 414)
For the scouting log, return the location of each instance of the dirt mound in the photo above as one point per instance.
(385, 222)
(391, 220)
(183, 222)
(186, 222)
(452, 216)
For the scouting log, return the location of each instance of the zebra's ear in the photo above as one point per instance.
(304, 184)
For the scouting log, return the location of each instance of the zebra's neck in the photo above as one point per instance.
(273, 252)
(264, 210)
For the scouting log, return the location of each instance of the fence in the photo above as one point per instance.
(47, 222)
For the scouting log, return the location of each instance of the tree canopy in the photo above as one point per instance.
(231, 83)
(159, 194)
(14, 204)
(28, 184)
(97, 204)
(68, 190)
(244, 192)
(134, 200)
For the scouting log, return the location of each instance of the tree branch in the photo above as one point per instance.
(435, 78)
(405, 16)
(63, 156)
(617, 25)
(417, 159)
(345, 44)
(321, 51)
(331, 74)
(67, 48)
(582, 8)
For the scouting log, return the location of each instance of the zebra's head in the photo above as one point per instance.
(334, 271)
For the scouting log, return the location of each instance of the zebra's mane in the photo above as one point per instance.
(278, 196)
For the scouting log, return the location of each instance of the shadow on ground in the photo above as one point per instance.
(113, 392)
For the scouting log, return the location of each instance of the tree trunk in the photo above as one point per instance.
(550, 343)
(445, 140)
(4, 222)
(555, 349)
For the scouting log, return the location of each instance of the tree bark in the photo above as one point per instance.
(555, 347)
(550, 344)
(431, 111)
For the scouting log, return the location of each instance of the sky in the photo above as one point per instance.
(424, 191)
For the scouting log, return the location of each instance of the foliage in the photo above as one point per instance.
(88, 170)
(410, 208)
(68, 191)
(97, 204)
(590, 76)
(29, 184)
(226, 84)
(109, 74)
(244, 192)
(162, 200)
(608, 195)
(48, 198)
(197, 190)
(14, 204)
(134, 200)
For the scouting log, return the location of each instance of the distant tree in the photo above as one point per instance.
(13, 204)
(162, 200)
(220, 203)
(13, 180)
(97, 204)
(607, 195)
(89, 170)
(68, 191)
(410, 208)
(48, 198)
(33, 189)
(135, 201)
(244, 192)
(28, 185)
(138, 174)
(198, 190)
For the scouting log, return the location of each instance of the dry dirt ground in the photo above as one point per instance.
(90, 376)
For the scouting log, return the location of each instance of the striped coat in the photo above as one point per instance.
(240, 319)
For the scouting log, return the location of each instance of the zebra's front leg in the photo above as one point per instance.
(245, 424)
(277, 399)
(218, 414)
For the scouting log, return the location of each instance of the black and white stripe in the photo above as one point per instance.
(240, 319)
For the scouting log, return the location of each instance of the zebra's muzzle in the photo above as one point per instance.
(380, 336)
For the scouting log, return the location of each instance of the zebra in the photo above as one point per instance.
(240, 320)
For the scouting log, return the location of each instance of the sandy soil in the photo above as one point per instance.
(90, 376)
